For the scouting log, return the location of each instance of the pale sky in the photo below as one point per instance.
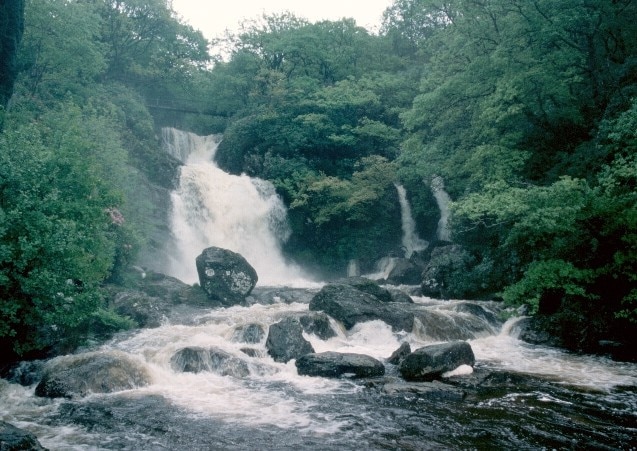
(214, 17)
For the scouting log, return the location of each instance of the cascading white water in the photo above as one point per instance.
(443, 200)
(214, 208)
(411, 241)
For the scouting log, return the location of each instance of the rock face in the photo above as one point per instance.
(195, 359)
(429, 362)
(225, 275)
(334, 364)
(317, 323)
(404, 272)
(399, 354)
(92, 372)
(249, 333)
(13, 438)
(350, 305)
(285, 340)
(443, 262)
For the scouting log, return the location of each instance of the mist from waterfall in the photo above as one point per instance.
(443, 233)
(410, 240)
(214, 208)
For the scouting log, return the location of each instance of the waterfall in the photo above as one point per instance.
(443, 200)
(214, 208)
(411, 241)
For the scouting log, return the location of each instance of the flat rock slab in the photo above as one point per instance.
(335, 364)
(429, 390)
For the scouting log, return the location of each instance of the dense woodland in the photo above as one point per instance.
(526, 108)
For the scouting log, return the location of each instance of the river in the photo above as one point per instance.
(518, 396)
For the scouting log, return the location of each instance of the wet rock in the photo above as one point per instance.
(399, 354)
(334, 364)
(350, 305)
(285, 340)
(445, 324)
(368, 286)
(445, 261)
(252, 352)
(195, 359)
(317, 323)
(146, 311)
(400, 296)
(404, 272)
(26, 373)
(161, 288)
(287, 295)
(249, 333)
(430, 390)
(14, 439)
(225, 275)
(477, 311)
(91, 372)
(429, 362)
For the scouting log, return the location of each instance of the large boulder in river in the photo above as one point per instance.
(195, 359)
(349, 305)
(225, 275)
(404, 272)
(429, 362)
(446, 264)
(334, 364)
(285, 340)
(13, 438)
(91, 372)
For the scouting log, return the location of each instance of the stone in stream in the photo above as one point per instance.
(285, 340)
(429, 362)
(430, 390)
(13, 438)
(350, 305)
(249, 333)
(195, 359)
(399, 354)
(334, 364)
(225, 275)
(91, 372)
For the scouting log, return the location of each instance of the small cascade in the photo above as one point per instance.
(214, 208)
(444, 201)
(411, 241)
(353, 269)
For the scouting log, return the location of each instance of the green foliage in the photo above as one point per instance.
(57, 239)
(547, 276)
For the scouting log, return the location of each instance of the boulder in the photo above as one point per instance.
(429, 362)
(225, 275)
(91, 372)
(146, 311)
(404, 272)
(430, 390)
(13, 438)
(285, 340)
(350, 305)
(368, 286)
(194, 359)
(249, 333)
(445, 262)
(399, 354)
(317, 323)
(400, 296)
(334, 364)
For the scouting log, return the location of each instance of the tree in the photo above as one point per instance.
(11, 29)
(60, 227)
